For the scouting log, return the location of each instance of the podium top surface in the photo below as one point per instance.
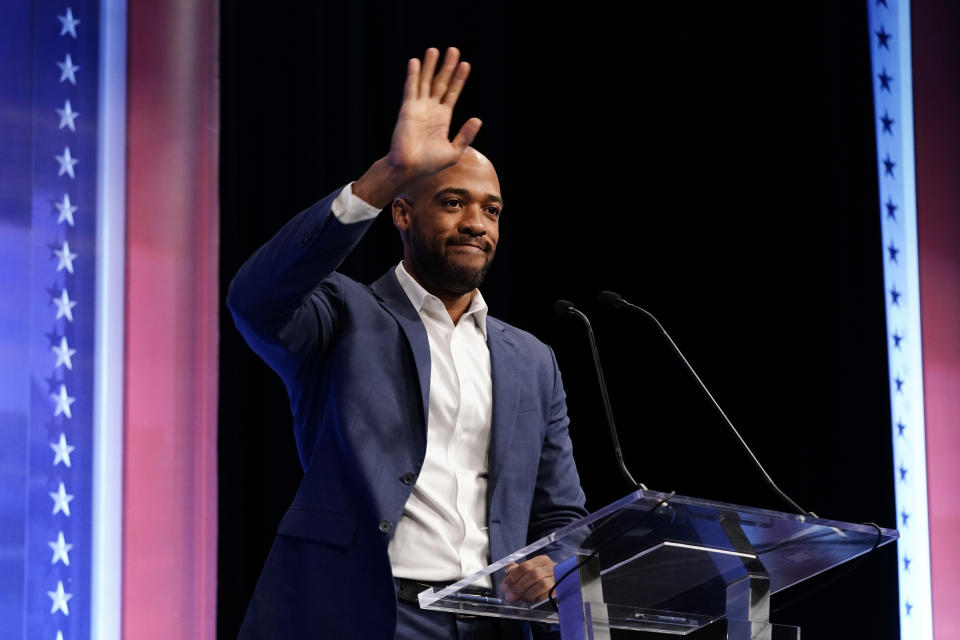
(673, 557)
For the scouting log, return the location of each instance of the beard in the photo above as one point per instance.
(435, 266)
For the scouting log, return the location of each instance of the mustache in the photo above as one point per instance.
(474, 241)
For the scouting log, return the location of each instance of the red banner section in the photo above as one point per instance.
(170, 491)
(937, 131)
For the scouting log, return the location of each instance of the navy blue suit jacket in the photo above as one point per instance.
(356, 363)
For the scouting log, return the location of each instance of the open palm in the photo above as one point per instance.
(421, 142)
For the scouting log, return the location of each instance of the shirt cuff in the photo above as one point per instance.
(349, 208)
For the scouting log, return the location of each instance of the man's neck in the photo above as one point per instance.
(456, 305)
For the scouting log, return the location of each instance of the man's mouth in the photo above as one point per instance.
(476, 244)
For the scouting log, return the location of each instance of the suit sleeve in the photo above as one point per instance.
(558, 499)
(281, 299)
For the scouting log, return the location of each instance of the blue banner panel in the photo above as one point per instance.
(15, 133)
(48, 163)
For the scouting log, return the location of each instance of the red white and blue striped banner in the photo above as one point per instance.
(917, 164)
(893, 106)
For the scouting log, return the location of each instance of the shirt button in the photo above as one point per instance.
(385, 526)
(408, 478)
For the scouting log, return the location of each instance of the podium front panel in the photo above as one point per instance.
(666, 562)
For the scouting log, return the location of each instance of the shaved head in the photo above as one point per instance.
(471, 158)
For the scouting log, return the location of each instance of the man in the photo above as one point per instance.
(433, 438)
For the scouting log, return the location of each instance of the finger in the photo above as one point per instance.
(465, 136)
(529, 591)
(446, 72)
(426, 73)
(538, 591)
(410, 87)
(456, 84)
(512, 575)
(505, 583)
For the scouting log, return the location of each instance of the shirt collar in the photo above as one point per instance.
(418, 295)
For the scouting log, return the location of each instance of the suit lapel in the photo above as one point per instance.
(395, 301)
(505, 373)
(503, 366)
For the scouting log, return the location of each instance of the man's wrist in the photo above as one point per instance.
(379, 184)
(348, 208)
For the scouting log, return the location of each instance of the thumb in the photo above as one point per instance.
(467, 133)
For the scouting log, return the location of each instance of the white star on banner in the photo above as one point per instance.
(61, 500)
(60, 550)
(64, 257)
(63, 402)
(67, 162)
(60, 599)
(59, 635)
(67, 116)
(64, 306)
(66, 210)
(69, 23)
(68, 69)
(62, 452)
(64, 353)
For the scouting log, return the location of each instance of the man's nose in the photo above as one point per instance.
(473, 221)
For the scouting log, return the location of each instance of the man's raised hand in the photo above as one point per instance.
(421, 144)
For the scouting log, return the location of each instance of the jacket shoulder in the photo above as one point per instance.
(525, 341)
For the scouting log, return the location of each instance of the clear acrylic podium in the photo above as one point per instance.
(649, 563)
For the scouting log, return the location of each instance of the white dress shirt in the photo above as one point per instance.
(442, 535)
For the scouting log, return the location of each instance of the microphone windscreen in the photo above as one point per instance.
(609, 299)
(563, 307)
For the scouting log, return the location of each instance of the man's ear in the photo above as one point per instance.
(400, 212)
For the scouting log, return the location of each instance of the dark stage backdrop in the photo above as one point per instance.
(713, 163)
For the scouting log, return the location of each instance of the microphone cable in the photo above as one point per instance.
(566, 309)
(616, 301)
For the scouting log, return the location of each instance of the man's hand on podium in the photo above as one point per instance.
(529, 581)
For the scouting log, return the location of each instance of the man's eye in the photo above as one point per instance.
(494, 211)
(453, 202)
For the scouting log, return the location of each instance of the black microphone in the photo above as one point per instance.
(565, 308)
(616, 301)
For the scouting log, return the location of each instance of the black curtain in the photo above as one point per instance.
(713, 162)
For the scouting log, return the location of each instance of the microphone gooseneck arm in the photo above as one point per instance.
(565, 308)
(615, 301)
